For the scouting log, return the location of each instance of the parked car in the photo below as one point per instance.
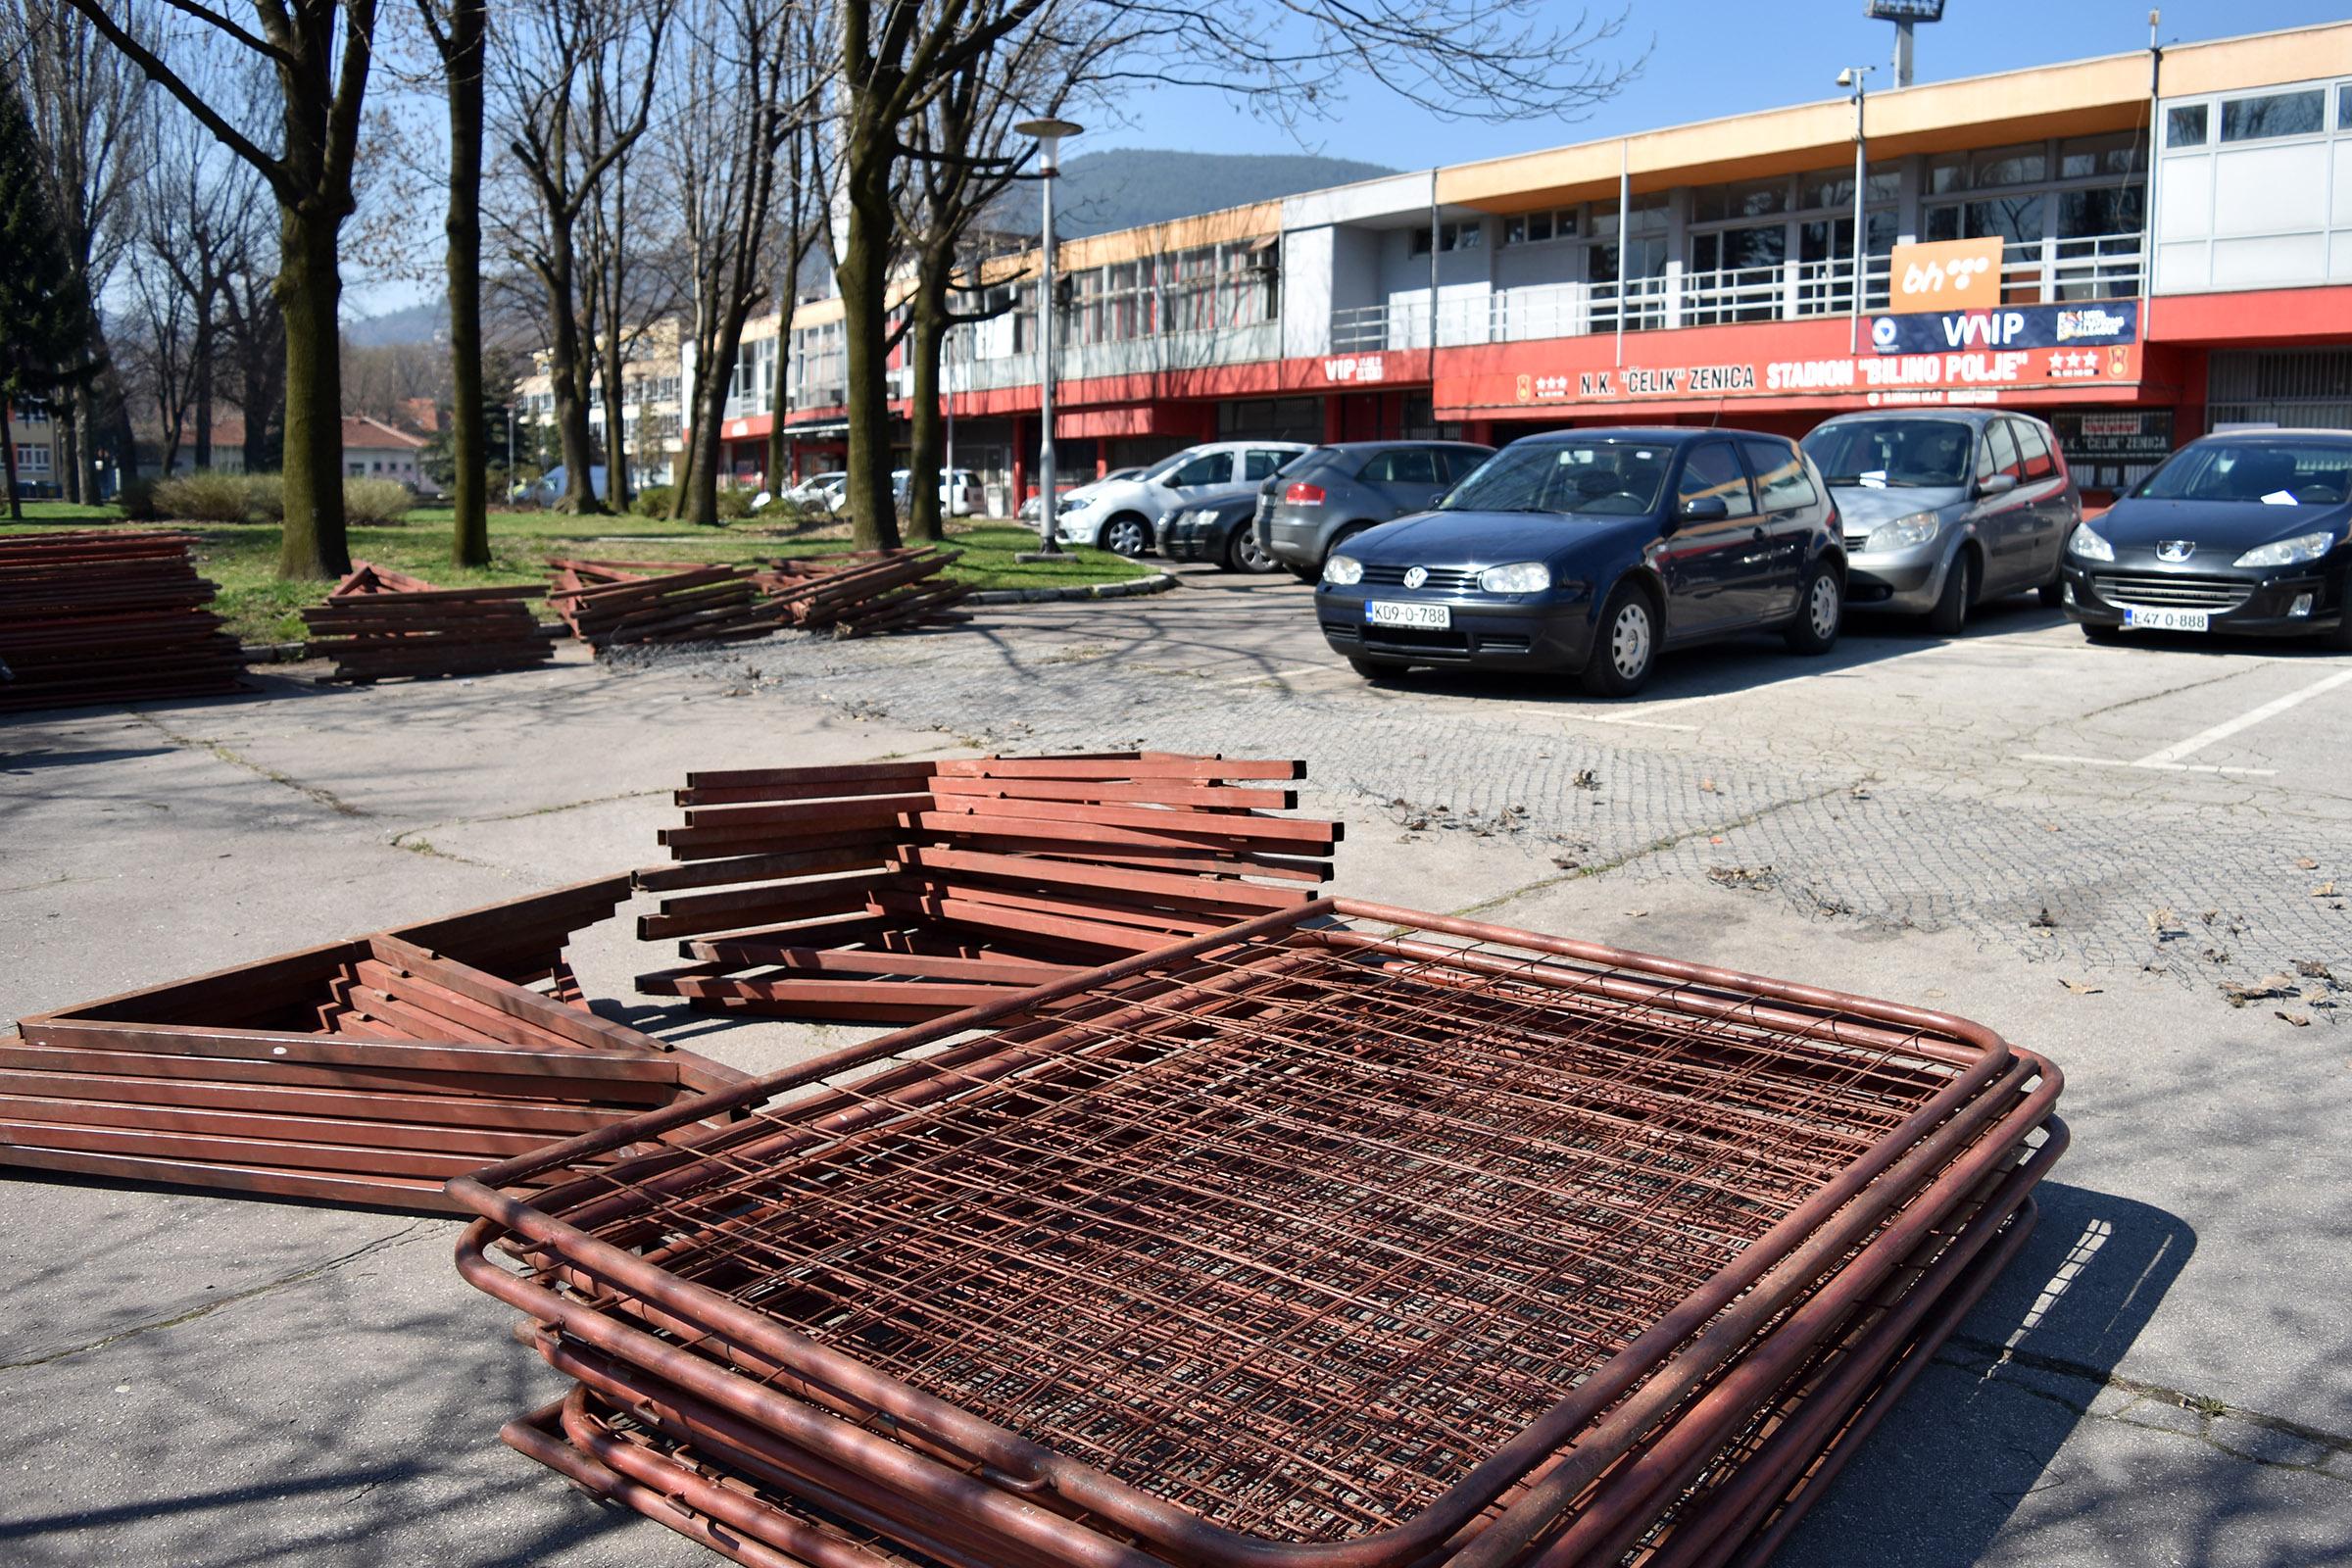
(1220, 527)
(1337, 491)
(549, 487)
(1121, 516)
(1070, 493)
(819, 490)
(2234, 533)
(1946, 508)
(1592, 551)
(959, 493)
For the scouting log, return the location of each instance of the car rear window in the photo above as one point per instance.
(1402, 465)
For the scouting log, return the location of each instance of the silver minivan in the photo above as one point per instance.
(1946, 507)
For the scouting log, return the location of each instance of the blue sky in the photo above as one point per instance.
(1714, 57)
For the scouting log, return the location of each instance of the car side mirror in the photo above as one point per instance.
(1996, 484)
(1704, 509)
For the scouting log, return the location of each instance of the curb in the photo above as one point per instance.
(274, 653)
(1160, 582)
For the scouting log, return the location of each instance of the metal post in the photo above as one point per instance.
(1433, 280)
(1902, 53)
(1853, 320)
(1049, 135)
(1625, 217)
(948, 372)
(2147, 206)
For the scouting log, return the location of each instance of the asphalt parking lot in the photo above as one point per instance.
(2126, 857)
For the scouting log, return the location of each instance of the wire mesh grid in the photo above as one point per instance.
(1296, 1232)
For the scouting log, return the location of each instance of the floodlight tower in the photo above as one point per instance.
(1905, 15)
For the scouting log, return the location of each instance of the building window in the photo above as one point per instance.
(2274, 115)
(2185, 126)
(33, 459)
(2023, 164)
(2343, 107)
(358, 471)
(2089, 157)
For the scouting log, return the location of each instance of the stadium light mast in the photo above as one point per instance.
(1906, 15)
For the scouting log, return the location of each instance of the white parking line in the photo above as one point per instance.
(2245, 720)
(2144, 763)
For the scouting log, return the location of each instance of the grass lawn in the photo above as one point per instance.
(243, 558)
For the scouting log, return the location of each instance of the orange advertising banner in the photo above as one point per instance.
(1951, 275)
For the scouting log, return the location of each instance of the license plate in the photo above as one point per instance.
(2169, 620)
(1421, 618)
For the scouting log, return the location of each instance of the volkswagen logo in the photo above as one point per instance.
(1415, 577)
(2175, 550)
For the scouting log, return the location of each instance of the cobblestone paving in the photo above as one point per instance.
(2108, 881)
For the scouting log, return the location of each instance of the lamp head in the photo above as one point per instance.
(1048, 132)
(1845, 78)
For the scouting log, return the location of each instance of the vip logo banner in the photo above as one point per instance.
(2013, 326)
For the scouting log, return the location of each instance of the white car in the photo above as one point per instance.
(1078, 491)
(1121, 516)
(819, 490)
(959, 493)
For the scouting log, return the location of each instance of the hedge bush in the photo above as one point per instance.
(734, 502)
(652, 500)
(376, 503)
(204, 498)
(136, 498)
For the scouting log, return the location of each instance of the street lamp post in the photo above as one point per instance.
(1853, 76)
(1048, 133)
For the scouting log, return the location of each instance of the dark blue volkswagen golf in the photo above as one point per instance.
(2235, 533)
(1592, 551)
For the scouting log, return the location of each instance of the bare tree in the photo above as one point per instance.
(574, 81)
(754, 81)
(1287, 60)
(85, 102)
(253, 339)
(318, 51)
(804, 217)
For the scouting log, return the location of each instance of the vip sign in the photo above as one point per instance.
(1951, 275)
(1357, 367)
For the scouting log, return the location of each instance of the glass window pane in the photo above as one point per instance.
(2012, 218)
(2278, 113)
(1565, 223)
(2343, 107)
(2185, 127)
(1766, 245)
(1514, 230)
(2039, 465)
(2083, 157)
(1709, 203)
(1473, 236)
(1538, 225)
(1706, 251)
(1414, 467)
(1942, 222)
(1947, 173)
(2020, 164)
(2004, 450)
(2101, 210)
(1712, 470)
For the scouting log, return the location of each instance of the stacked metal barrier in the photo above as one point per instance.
(103, 615)
(899, 891)
(379, 624)
(1347, 1237)
(859, 593)
(621, 604)
(368, 1070)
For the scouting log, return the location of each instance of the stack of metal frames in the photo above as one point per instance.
(1347, 1236)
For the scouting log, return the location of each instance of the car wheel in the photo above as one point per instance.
(1126, 535)
(1625, 644)
(1244, 554)
(1959, 592)
(1820, 606)
(1372, 669)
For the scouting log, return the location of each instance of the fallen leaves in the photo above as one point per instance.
(2045, 921)
(1752, 878)
(2325, 890)
(2081, 988)
(2307, 863)
(2295, 1018)
(1586, 780)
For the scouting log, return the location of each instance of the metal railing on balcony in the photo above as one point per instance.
(2036, 271)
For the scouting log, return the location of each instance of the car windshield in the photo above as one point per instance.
(2281, 473)
(1607, 477)
(1167, 465)
(1892, 453)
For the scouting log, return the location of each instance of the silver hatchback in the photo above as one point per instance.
(1946, 508)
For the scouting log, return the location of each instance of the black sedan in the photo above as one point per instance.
(2235, 533)
(1592, 551)
(1215, 527)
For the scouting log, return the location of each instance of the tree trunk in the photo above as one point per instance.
(85, 437)
(568, 373)
(8, 458)
(617, 442)
(780, 399)
(925, 337)
(310, 290)
(862, 274)
(204, 381)
(469, 436)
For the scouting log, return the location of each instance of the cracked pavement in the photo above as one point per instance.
(2090, 850)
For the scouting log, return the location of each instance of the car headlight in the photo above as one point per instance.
(1343, 571)
(1903, 532)
(1519, 577)
(2289, 552)
(2090, 545)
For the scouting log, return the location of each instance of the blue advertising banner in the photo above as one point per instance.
(2092, 325)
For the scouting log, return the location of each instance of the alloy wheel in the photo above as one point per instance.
(1628, 641)
(1823, 607)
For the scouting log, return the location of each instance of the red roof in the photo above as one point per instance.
(375, 435)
